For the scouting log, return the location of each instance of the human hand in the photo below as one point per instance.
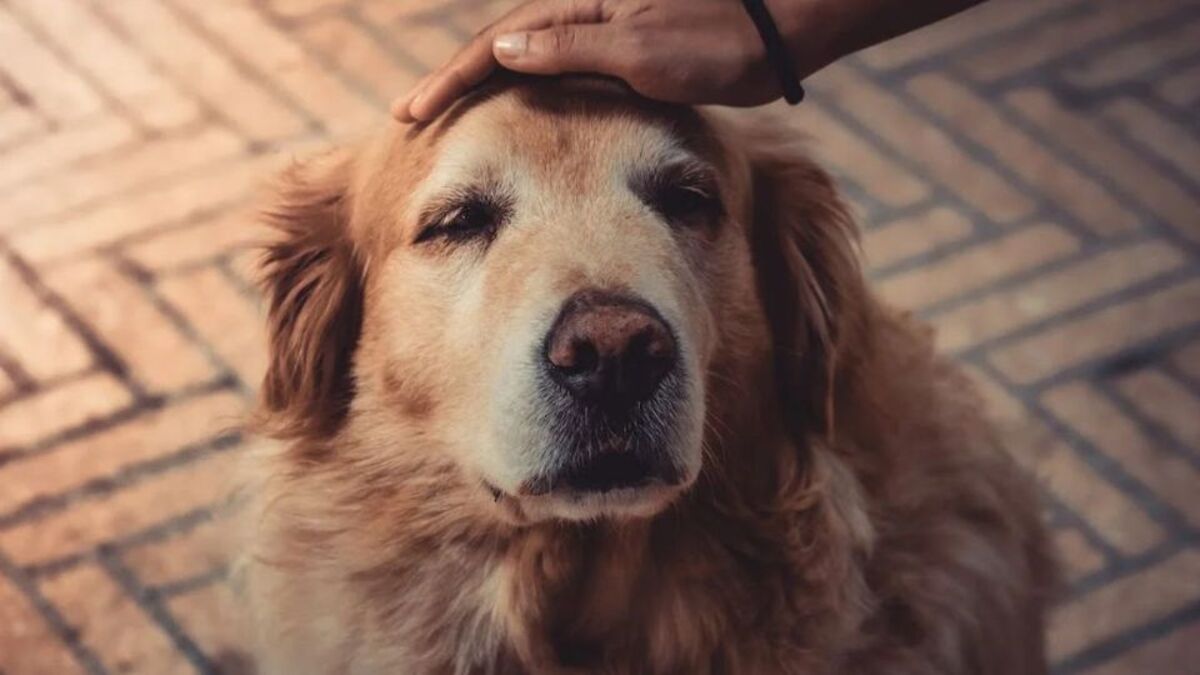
(682, 51)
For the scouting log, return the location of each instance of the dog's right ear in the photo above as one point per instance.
(312, 278)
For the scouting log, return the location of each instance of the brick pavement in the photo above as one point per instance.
(1029, 177)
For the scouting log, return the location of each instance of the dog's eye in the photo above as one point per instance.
(472, 218)
(683, 196)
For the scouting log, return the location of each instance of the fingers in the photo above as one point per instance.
(561, 49)
(476, 60)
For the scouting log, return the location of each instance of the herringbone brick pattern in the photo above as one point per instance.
(1029, 177)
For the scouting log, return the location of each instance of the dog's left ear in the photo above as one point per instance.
(312, 277)
(804, 242)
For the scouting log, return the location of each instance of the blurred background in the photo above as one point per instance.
(1027, 175)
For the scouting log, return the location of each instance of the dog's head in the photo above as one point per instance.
(550, 287)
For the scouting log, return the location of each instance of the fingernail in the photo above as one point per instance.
(511, 44)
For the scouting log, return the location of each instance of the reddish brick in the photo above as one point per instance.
(359, 56)
(1109, 610)
(1170, 476)
(145, 437)
(123, 316)
(1157, 193)
(911, 236)
(1048, 40)
(1168, 140)
(979, 120)
(38, 71)
(34, 334)
(226, 232)
(430, 44)
(1099, 334)
(850, 155)
(1056, 292)
(150, 502)
(68, 144)
(89, 181)
(979, 266)
(62, 407)
(1078, 557)
(193, 60)
(225, 318)
(913, 137)
(1169, 404)
(1132, 60)
(17, 122)
(211, 616)
(301, 8)
(153, 100)
(386, 13)
(275, 54)
(199, 551)
(220, 185)
(1162, 655)
(27, 645)
(111, 624)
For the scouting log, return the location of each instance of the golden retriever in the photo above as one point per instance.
(568, 381)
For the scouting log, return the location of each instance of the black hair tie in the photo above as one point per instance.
(777, 53)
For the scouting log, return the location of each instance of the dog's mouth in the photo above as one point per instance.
(606, 472)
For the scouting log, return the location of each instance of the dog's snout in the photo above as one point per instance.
(609, 350)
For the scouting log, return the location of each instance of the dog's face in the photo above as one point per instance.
(539, 292)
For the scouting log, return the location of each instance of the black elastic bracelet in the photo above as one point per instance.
(777, 53)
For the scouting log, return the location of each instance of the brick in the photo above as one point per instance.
(1064, 474)
(431, 44)
(121, 313)
(1187, 360)
(1078, 557)
(1166, 402)
(70, 188)
(1099, 334)
(912, 236)
(111, 624)
(34, 334)
(1053, 293)
(122, 71)
(63, 407)
(930, 147)
(229, 231)
(145, 504)
(473, 17)
(18, 122)
(220, 185)
(979, 23)
(1124, 604)
(359, 56)
(201, 550)
(1157, 193)
(1049, 40)
(385, 13)
(979, 120)
(210, 615)
(146, 437)
(849, 155)
(979, 266)
(1161, 655)
(228, 321)
(1182, 88)
(43, 75)
(1171, 477)
(68, 144)
(27, 644)
(1168, 140)
(206, 70)
(276, 55)
(1131, 61)
(301, 8)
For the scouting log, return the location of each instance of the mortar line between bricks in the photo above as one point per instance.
(155, 610)
(191, 584)
(1159, 435)
(47, 384)
(53, 618)
(21, 379)
(1097, 654)
(375, 33)
(94, 84)
(104, 356)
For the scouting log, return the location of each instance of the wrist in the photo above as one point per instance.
(813, 30)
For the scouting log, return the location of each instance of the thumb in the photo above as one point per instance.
(561, 49)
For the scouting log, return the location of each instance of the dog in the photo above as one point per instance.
(569, 381)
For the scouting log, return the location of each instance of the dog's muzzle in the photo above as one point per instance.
(612, 385)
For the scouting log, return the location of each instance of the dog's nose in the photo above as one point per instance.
(609, 350)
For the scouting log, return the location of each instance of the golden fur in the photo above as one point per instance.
(853, 512)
